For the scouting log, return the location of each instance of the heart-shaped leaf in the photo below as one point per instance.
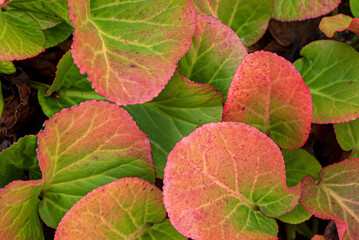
(330, 69)
(269, 94)
(338, 23)
(335, 196)
(214, 55)
(130, 49)
(296, 10)
(348, 136)
(123, 209)
(7, 67)
(248, 18)
(226, 181)
(179, 109)
(354, 7)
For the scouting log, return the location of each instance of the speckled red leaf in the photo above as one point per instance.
(338, 23)
(269, 94)
(227, 181)
(335, 196)
(129, 48)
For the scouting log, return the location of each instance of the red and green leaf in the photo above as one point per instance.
(123, 209)
(130, 49)
(348, 136)
(220, 183)
(269, 94)
(335, 196)
(318, 237)
(4, 2)
(297, 10)
(214, 55)
(330, 69)
(338, 23)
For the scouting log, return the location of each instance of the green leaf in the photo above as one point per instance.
(130, 49)
(18, 160)
(7, 67)
(298, 164)
(214, 55)
(44, 20)
(248, 18)
(348, 136)
(227, 181)
(21, 36)
(354, 7)
(69, 88)
(330, 69)
(57, 34)
(177, 111)
(163, 230)
(338, 23)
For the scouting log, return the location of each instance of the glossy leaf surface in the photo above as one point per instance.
(338, 23)
(85, 147)
(123, 209)
(354, 7)
(335, 196)
(248, 18)
(178, 110)
(330, 69)
(297, 10)
(219, 183)
(348, 136)
(269, 94)
(21, 36)
(7, 67)
(130, 49)
(214, 55)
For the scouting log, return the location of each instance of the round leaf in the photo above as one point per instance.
(130, 49)
(269, 94)
(225, 181)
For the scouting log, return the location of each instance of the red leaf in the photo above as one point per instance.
(338, 23)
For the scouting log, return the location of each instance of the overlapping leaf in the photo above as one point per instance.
(181, 107)
(269, 94)
(296, 10)
(335, 196)
(7, 67)
(130, 49)
(214, 55)
(57, 34)
(123, 209)
(338, 23)
(248, 18)
(354, 7)
(330, 69)
(4, 2)
(226, 181)
(348, 136)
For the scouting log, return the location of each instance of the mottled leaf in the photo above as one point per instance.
(179, 109)
(248, 18)
(318, 237)
(335, 196)
(297, 10)
(214, 55)
(130, 49)
(219, 183)
(354, 7)
(19, 161)
(7, 67)
(123, 209)
(348, 136)
(338, 23)
(269, 94)
(57, 34)
(21, 37)
(85, 147)
(298, 164)
(330, 69)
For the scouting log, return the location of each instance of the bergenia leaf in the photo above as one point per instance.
(335, 196)
(21, 36)
(18, 211)
(85, 147)
(162, 230)
(330, 69)
(7, 67)
(298, 164)
(348, 136)
(297, 10)
(4, 2)
(214, 55)
(318, 237)
(338, 23)
(45, 21)
(69, 88)
(19, 160)
(354, 7)
(130, 49)
(269, 94)
(220, 183)
(57, 34)
(179, 109)
(123, 209)
(1, 101)
(248, 18)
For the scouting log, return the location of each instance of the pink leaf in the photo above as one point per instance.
(338, 23)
